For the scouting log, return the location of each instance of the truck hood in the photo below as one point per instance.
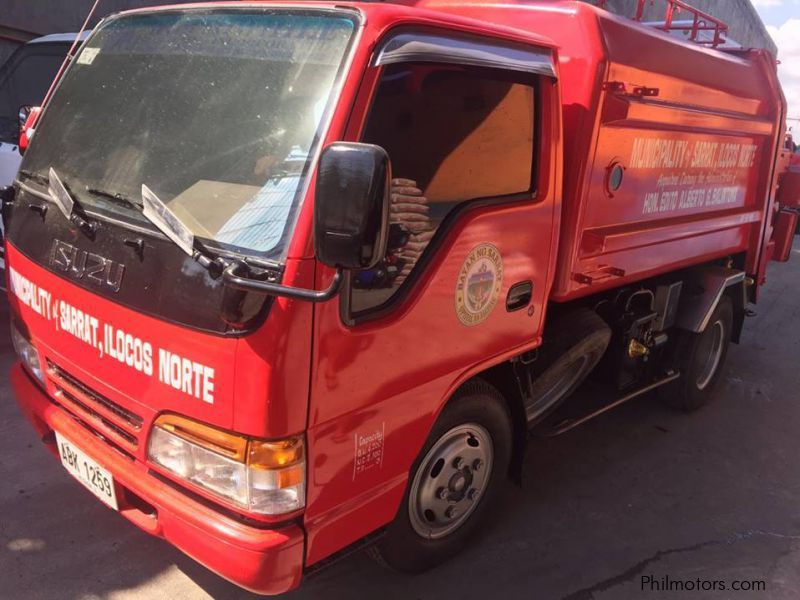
(113, 368)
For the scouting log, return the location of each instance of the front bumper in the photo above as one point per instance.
(265, 561)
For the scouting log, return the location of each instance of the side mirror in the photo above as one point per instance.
(28, 115)
(24, 113)
(351, 206)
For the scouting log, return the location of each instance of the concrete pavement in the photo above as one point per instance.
(639, 492)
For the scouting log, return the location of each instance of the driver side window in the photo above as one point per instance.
(453, 134)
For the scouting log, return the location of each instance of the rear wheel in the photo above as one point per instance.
(452, 483)
(700, 358)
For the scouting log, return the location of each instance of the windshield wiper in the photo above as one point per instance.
(66, 202)
(115, 197)
(37, 177)
(160, 215)
(237, 273)
(60, 195)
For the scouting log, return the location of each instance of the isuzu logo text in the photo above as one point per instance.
(81, 264)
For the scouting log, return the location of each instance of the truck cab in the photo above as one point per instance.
(277, 270)
(139, 345)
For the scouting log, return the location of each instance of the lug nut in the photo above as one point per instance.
(477, 464)
(451, 512)
(458, 462)
(472, 494)
(442, 493)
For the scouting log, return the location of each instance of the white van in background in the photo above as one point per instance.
(24, 80)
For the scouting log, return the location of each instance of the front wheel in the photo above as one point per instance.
(700, 357)
(452, 483)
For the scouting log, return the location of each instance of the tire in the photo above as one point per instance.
(475, 425)
(574, 342)
(700, 358)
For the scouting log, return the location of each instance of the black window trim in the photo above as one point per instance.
(351, 319)
(418, 46)
(31, 49)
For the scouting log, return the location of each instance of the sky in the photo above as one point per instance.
(782, 18)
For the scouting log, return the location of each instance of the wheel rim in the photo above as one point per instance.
(451, 481)
(716, 335)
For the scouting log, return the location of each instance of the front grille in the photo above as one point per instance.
(105, 417)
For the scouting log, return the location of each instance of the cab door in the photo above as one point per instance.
(471, 128)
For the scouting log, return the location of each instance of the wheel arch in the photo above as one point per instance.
(738, 295)
(499, 373)
(502, 377)
(704, 287)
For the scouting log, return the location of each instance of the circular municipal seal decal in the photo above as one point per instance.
(479, 284)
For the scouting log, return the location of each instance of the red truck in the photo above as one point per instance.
(292, 279)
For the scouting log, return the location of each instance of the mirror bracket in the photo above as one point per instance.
(7, 195)
(233, 277)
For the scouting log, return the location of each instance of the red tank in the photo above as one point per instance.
(669, 147)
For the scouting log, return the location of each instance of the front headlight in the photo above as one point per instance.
(266, 477)
(26, 352)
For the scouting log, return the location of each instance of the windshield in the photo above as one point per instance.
(218, 112)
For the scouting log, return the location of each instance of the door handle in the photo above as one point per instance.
(519, 295)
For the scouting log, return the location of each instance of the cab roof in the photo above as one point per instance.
(417, 11)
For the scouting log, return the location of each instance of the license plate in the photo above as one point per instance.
(94, 477)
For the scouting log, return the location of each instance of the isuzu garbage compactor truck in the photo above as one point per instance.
(292, 279)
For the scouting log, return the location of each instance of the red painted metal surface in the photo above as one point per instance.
(679, 119)
(258, 403)
(664, 111)
(783, 234)
(267, 561)
(267, 359)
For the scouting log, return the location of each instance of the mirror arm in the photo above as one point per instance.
(231, 278)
